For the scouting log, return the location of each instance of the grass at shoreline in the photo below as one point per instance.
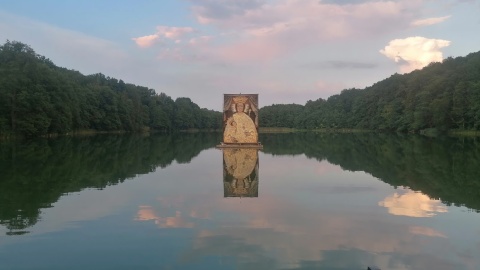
(467, 133)
(265, 130)
(319, 130)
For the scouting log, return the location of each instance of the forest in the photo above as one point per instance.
(39, 98)
(440, 97)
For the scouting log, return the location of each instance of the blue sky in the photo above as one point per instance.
(287, 51)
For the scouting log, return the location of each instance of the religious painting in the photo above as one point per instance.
(240, 172)
(240, 119)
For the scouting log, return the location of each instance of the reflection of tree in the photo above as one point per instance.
(36, 174)
(240, 172)
(443, 168)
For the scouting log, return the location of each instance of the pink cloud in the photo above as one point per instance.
(146, 41)
(263, 31)
(163, 32)
(251, 50)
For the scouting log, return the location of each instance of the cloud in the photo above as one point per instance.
(415, 52)
(429, 21)
(146, 41)
(208, 10)
(173, 33)
(163, 32)
(255, 31)
(412, 204)
(337, 64)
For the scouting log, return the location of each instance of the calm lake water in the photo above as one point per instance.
(306, 201)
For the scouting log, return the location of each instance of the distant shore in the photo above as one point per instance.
(263, 130)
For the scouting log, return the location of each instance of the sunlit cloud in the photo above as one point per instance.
(415, 52)
(430, 21)
(146, 41)
(163, 32)
(412, 204)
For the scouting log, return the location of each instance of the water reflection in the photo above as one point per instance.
(445, 169)
(329, 217)
(35, 174)
(240, 172)
(412, 204)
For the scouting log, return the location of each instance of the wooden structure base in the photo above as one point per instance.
(239, 145)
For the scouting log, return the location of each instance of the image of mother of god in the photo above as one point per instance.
(239, 127)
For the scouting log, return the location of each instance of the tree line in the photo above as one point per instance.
(440, 97)
(37, 98)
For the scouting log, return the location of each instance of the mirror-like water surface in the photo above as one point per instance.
(306, 201)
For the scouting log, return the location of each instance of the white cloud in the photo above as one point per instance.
(430, 21)
(415, 52)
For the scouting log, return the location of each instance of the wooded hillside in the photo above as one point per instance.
(38, 98)
(441, 96)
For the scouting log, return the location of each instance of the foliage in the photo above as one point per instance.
(442, 96)
(38, 98)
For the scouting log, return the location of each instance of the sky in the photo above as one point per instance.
(287, 51)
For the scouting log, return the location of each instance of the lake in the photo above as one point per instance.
(306, 201)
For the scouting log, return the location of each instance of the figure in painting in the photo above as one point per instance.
(240, 172)
(240, 119)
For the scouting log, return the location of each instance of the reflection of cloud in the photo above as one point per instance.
(412, 204)
(415, 52)
(285, 233)
(325, 167)
(178, 221)
(426, 231)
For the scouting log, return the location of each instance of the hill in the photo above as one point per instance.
(440, 97)
(39, 98)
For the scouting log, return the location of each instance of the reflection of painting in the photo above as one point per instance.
(240, 119)
(240, 172)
